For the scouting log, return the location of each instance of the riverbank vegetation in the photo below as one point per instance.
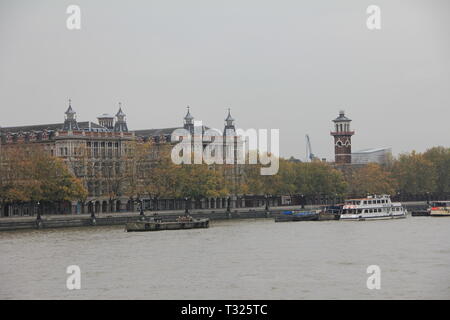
(31, 175)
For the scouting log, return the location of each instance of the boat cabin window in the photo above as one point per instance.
(441, 204)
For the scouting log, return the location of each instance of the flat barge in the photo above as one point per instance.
(286, 216)
(422, 213)
(157, 225)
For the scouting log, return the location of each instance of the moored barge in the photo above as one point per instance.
(297, 216)
(157, 225)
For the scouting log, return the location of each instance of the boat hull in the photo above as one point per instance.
(141, 226)
(355, 217)
(292, 217)
(423, 213)
(323, 216)
(440, 213)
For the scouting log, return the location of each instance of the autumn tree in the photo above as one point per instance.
(201, 181)
(371, 179)
(415, 174)
(319, 178)
(162, 178)
(30, 174)
(440, 158)
(309, 179)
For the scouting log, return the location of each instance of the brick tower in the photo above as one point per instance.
(342, 139)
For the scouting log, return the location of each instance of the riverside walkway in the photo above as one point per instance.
(121, 218)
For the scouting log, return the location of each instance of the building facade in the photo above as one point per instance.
(95, 151)
(372, 155)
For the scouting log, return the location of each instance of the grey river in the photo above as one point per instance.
(234, 259)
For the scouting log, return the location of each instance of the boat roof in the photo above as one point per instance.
(370, 197)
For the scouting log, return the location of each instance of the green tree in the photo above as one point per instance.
(415, 174)
(371, 179)
(440, 158)
(31, 174)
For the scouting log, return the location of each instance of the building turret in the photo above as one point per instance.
(189, 121)
(70, 121)
(342, 139)
(121, 124)
(229, 129)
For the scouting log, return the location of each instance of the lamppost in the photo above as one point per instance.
(186, 209)
(155, 203)
(428, 198)
(228, 204)
(141, 209)
(38, 216)
(38, 213)
(90, 205)
(266, 196)
(302, 201)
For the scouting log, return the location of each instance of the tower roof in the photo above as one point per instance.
(120, 112)
(188, 115)
(341, 117)
(229, 117)
(69, 109)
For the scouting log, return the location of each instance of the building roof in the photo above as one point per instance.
(188, 115)
(341, 117)
(229, 117)
(105, 115)
(53, 126)
(155, 132)
(70, 110)
(120, 113)
(372, 150)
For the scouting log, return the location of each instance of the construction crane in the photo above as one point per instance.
(309, 154)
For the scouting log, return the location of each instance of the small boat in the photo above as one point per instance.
(157, 224)
(440, 209)
(331, 212)
(421, 213)
(377, 207)
(297, 216)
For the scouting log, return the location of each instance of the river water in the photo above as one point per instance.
(234, 259)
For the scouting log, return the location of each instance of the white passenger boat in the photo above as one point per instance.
(440, 209)
(377, 207)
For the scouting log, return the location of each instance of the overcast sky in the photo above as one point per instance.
(290, 65)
